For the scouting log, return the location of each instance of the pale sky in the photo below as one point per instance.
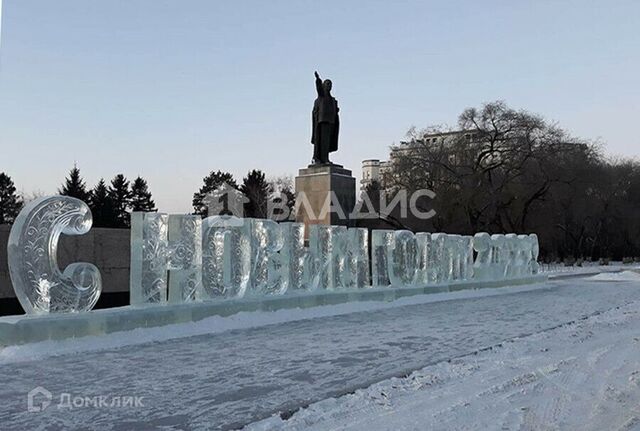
(171, 90)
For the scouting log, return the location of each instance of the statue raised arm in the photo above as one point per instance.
(319, 87)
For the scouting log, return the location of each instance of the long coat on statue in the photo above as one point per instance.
(325, 120)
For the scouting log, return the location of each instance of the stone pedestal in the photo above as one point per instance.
(315, 201)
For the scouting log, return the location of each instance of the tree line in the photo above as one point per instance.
(111, 204)
(513, 171)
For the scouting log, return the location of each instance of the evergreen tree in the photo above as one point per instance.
(102, 206)
(211, 183)
(141, 196)
(120, 196)
(283, 193)
(74, 186)
(290, 197)
(257, 189)
(10, 202)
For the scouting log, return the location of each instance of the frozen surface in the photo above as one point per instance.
(581, 376)
(227, 379)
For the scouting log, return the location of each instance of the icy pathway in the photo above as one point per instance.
(228, 379)
(580, 376)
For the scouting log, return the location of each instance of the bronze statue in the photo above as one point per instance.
(326, 123)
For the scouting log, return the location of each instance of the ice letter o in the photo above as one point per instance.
(226, 257)
(32, 250)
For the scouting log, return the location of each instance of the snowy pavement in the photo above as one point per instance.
(580, 376)
(247, 372)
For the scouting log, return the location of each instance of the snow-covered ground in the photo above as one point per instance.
(224, 373)
(559, 271)
(581, 376)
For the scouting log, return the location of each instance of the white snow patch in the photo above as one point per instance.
(617, 276)
(585, 375)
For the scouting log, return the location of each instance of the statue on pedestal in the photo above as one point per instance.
(325, 121)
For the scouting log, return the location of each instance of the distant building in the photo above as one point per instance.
(374, 169)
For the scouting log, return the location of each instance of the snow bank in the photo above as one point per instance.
(617, 276)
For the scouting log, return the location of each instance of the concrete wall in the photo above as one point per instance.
(108, 249)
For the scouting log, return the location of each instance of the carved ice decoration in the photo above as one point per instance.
(166, 258)
(185, 258)
(403, 258)
(511, 252)
(452, 257)
(381, 241)
(182, 258)
(522, 255)
(467, 246)
(39, 284)
(482, 267)
(534, 266)
(268, 266)
(324, 260)
(226, 256)
(423, 263)
(149, 255)
(293, 255)
(499, 256)
(356, 262)
(339, 257)
(438, 258)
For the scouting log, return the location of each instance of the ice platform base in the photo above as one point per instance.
(23, 329)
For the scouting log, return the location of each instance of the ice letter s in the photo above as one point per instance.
(39, 284)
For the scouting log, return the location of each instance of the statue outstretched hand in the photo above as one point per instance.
(316, 74)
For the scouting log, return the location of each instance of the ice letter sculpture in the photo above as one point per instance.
(381, 241)
(356, 262)
(226, 256)
(293, 254)
(267, 264)
(166, 258)
(511, 253)
(149, 255)
(32, 249)
(403, 258)
(482, 269)
(322, 267)
(437, 257)
(499, 256)
(453, 257)
(467, 245)
(534, 266)
(185, 258)
(423, 265)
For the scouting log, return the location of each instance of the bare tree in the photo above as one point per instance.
(507, 170)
